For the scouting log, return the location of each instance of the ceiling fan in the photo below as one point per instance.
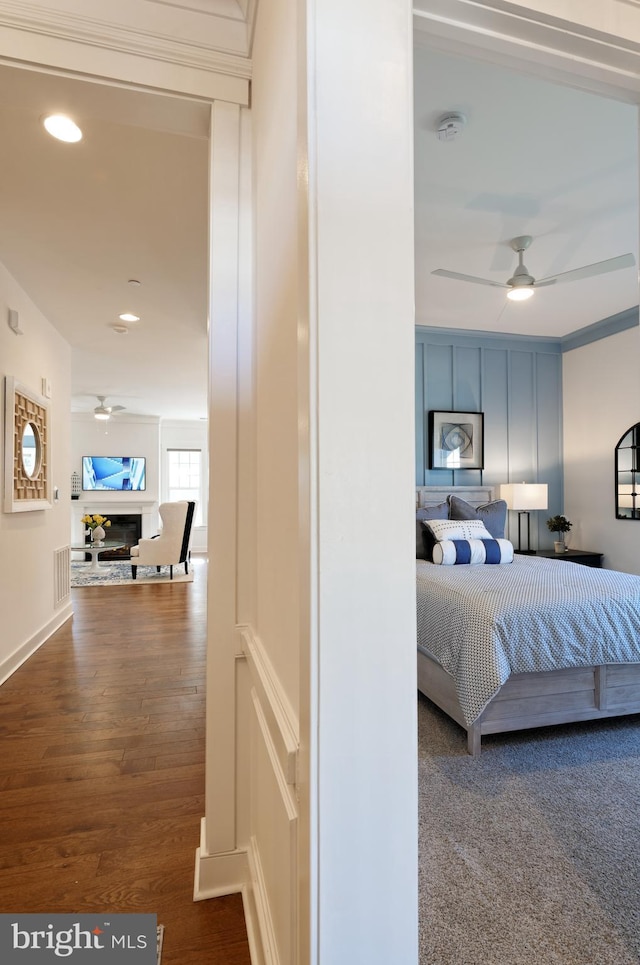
(522, 284)
(103, 411)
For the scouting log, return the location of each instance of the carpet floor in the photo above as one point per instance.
(119, 574)
(531, 852)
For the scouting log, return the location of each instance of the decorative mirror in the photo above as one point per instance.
(30, 449)
(627, 473)
(26, 466)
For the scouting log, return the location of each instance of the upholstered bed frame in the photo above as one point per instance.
(529, 699)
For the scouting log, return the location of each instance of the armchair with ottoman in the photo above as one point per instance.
(172, 546)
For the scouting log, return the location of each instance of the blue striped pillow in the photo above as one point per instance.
(453, 552)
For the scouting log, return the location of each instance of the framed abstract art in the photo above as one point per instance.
(456, 440)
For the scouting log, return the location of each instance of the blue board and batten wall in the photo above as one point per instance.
(517, 383)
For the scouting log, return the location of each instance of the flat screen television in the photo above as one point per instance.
(114, 473)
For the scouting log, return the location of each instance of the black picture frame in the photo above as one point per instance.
(456, 440)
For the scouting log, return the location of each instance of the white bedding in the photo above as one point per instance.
(483, 623)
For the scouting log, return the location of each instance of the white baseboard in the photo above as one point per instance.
(228, 874)
(15, 660)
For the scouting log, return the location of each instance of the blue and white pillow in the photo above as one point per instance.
(457, 528)
(450, 552)
(467, 541)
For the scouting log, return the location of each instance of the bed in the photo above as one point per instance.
(526, 644)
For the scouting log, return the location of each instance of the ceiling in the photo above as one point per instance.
(535, 158)
(78, 222)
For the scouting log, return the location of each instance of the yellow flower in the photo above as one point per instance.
(95, 520)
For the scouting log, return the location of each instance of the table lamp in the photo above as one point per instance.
(522, 498)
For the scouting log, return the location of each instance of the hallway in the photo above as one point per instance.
(102, 772)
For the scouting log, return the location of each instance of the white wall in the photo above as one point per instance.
(360, 122)
(276, 351)
(28, 540)
(335, 618)
(601, 393)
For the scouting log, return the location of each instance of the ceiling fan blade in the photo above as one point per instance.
(587, 271)
(117, 408)
(472, 278)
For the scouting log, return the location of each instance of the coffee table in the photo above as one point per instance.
(95, 550)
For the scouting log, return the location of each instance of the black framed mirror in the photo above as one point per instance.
(627, 474)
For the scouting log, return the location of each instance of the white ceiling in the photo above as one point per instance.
(535, 159)
(78, 221)
(130, 201)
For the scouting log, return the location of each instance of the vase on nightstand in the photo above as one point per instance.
(97, 535)
(559, 546)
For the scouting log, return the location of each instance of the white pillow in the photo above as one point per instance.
(457, 528)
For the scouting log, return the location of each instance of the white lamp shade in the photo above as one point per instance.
(522, 497)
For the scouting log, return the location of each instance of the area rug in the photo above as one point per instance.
(529, 853)
(119, 574)
(160, 939)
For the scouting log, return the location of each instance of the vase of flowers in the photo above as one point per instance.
(559, 525)
(96, 526)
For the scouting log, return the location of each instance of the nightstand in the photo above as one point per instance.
(586, 557)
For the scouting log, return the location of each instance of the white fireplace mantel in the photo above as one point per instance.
(147, 508)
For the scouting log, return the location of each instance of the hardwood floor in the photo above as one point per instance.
(102, 769)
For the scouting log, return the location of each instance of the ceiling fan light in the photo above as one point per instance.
(103, 416)
(519, 294)
(63, 128)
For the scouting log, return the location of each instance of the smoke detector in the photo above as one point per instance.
(450, 126)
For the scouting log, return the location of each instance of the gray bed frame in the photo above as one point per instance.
(529, 699)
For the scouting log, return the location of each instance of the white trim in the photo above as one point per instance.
(15, 660)
(225, 873)
(528, 40)
(280, 730)
(37, 38)
(263, 923)
(224, 194)
(252, 922)
(86, 29)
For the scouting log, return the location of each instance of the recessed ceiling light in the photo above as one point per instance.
(62, 127)
(129, 317)
(134, 282)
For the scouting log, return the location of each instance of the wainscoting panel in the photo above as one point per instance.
(274, 821)
(517, 383)
(272, 818)
(281, 722)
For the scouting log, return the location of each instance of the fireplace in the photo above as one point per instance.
(125, 528)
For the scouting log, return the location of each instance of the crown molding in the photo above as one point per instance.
(513, 35)
(137, 40)
(225, 8)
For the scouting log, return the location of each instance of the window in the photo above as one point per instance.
(185, 478)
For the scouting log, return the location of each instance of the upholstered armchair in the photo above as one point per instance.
(171, 546)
